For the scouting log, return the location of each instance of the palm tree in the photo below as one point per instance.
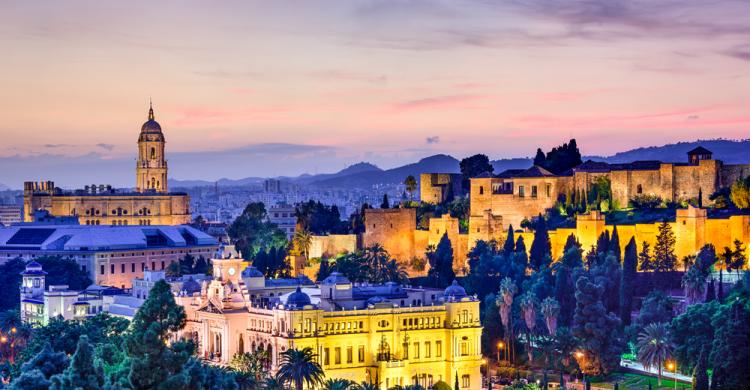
(274, 383)
(654, 346)
(366, 386)
(302, 241)
(411, 186)
(377, 258)
(299, 367)
(338, 384)
(508, 290)
(529, 305)
(550, 311)
(694, 284)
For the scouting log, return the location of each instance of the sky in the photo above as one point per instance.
(267, 88)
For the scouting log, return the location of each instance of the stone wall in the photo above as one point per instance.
(435, 188)
(332, 245)
(730, 173)
(393, 229)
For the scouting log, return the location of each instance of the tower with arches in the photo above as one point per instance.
(151, 167)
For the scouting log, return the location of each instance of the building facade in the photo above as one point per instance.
(386, 334)
(112, 255)
(284, 216)
(149, 204)
(10, 214)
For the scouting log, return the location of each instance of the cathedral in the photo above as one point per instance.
(150, 204)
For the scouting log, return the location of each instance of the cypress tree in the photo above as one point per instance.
(456, 386)
(571, 242)
(521, 257)
(721, 285)
(614, 245)
(597, 329)
(602, 244)
(510, 242)
(627, 286)
(385, 203)
(711, 291)
(541, 248)
(700, 376)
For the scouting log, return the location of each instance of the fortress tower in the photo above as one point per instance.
(151, 167)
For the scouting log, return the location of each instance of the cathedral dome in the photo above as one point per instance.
(298, 299)
(455, 291)
(151, 126)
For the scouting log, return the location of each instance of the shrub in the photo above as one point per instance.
(645, 201)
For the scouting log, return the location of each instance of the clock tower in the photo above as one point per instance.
(151, 167)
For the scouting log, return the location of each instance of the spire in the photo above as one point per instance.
(150, 110)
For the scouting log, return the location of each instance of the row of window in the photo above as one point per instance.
(112, 267)
(534, 191)
(349, 355)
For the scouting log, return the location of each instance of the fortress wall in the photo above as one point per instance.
(689, 180)
(445, 225)
(731, 173)
(332, 245)
(485, 227)
(393, 229)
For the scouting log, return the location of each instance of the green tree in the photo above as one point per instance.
(337, 384)
(645, 261)
(252, 232)
(627, 283)
(47, 361)
(250, 367)
(655, 308)
(529, 305)
(540, 254)
(560, 158)
(664, 257)
(504, 302)
(441, 263)
(153, 363)
(510, 241)
(739, 258)
(474, 166)
(187, 264)
(614, 245)
(385, 204)
(740, 193)
(705, 259)
(82, 373)
(654, 347)
(692, 332)
(31, 380)
(299, 368)
(411, 185)
(700, 372)
(694, 285)
(730, 351)
(597, 329)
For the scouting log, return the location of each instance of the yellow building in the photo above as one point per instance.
(150, 204)
(389, 334)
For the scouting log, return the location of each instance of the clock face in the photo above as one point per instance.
(231, 271)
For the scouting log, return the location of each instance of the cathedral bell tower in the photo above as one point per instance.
(151, 167)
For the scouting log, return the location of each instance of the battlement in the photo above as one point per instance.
(41, 186)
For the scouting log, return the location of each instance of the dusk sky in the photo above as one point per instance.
(286, 87)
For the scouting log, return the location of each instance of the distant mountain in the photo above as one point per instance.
(364, 174)
(438, 163)
(729, 151)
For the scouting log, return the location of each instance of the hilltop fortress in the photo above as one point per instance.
(507, 199)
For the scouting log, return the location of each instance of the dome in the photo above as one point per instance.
(298, 299)
(251, 272)
(336, 278)
(191, 286)
(151, 126)
(33, 268)
(455, 291)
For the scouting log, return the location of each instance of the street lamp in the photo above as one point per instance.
(580, 356)
(500, 346)
(672, 366)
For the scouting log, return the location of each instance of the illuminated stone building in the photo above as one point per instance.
(387, 334)
(150, 204)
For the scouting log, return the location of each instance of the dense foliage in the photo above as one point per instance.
(252, 232)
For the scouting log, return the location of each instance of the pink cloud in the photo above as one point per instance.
(451, 101)
(208, 116)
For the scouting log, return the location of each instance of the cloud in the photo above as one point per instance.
(739, 52)
(192, 116)
(432, 140)
(105, 146)
(54, 146)
(436, 102)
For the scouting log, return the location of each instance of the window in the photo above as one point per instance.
(153, 266)
(464, 348)
(481, 190)
(337, 355)
(143, 267)
(349, 355)
(326, 356)
(640, 189)
(438, 348)
(101, 270)
(465, 381)
(427, 350)
(416, 350)
(112, 268)
(361, 354)
(122, 268)
(162, 265)
(533, 191)
(521, 191)
(132, 267)
(548, 189)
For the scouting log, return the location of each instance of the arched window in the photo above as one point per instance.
(153, 153)
(241, 346)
